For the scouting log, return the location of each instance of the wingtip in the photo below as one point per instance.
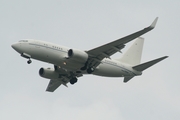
(162, 58)
(154, 23)
(166, 57)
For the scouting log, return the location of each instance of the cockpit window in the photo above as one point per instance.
(23, 41)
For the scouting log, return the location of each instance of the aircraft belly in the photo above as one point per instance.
(74, 65)
(110, 71)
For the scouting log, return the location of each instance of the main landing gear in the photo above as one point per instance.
(73, 80)
(90, 70)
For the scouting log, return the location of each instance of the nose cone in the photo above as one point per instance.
(15, 46)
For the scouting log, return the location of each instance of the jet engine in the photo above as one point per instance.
(48, 73)
(77, 55)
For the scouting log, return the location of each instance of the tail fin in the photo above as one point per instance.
(146, 65)
(133, 55)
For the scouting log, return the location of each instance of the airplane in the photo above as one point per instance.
(70, 64)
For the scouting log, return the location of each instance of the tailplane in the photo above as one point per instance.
(127, 78)
(133, 55)
(146, 65)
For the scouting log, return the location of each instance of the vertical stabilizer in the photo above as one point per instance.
(133, 55)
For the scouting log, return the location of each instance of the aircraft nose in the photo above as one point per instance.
(16, 47)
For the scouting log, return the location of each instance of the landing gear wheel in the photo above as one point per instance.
(73, 80)
(90, 70)
(29, 61)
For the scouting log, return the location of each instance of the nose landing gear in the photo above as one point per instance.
(29, 61)
(25, 55)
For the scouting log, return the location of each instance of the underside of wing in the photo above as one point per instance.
(63, 78)
(53, 85)
(105, 51)
(68, 74)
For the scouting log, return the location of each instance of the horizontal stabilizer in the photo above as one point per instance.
(146, 65)
(127, 78)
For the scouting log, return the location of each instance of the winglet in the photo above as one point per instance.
(154, 23)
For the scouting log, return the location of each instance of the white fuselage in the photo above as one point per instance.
(57, 55)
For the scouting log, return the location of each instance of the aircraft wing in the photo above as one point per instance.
(64, 79)
(53, 85)
(105, 51)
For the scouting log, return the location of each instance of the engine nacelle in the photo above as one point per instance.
(48, 73)
(77, 55)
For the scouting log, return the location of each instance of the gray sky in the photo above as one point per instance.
(84, 25)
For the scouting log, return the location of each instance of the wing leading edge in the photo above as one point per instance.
(105, 51)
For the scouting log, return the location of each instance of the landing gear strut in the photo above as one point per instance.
(90, 70)
(73, 80)
(25, 55)
(85, 66)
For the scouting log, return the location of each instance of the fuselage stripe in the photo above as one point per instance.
(47, 47)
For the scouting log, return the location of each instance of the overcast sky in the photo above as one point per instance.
(84, 25)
